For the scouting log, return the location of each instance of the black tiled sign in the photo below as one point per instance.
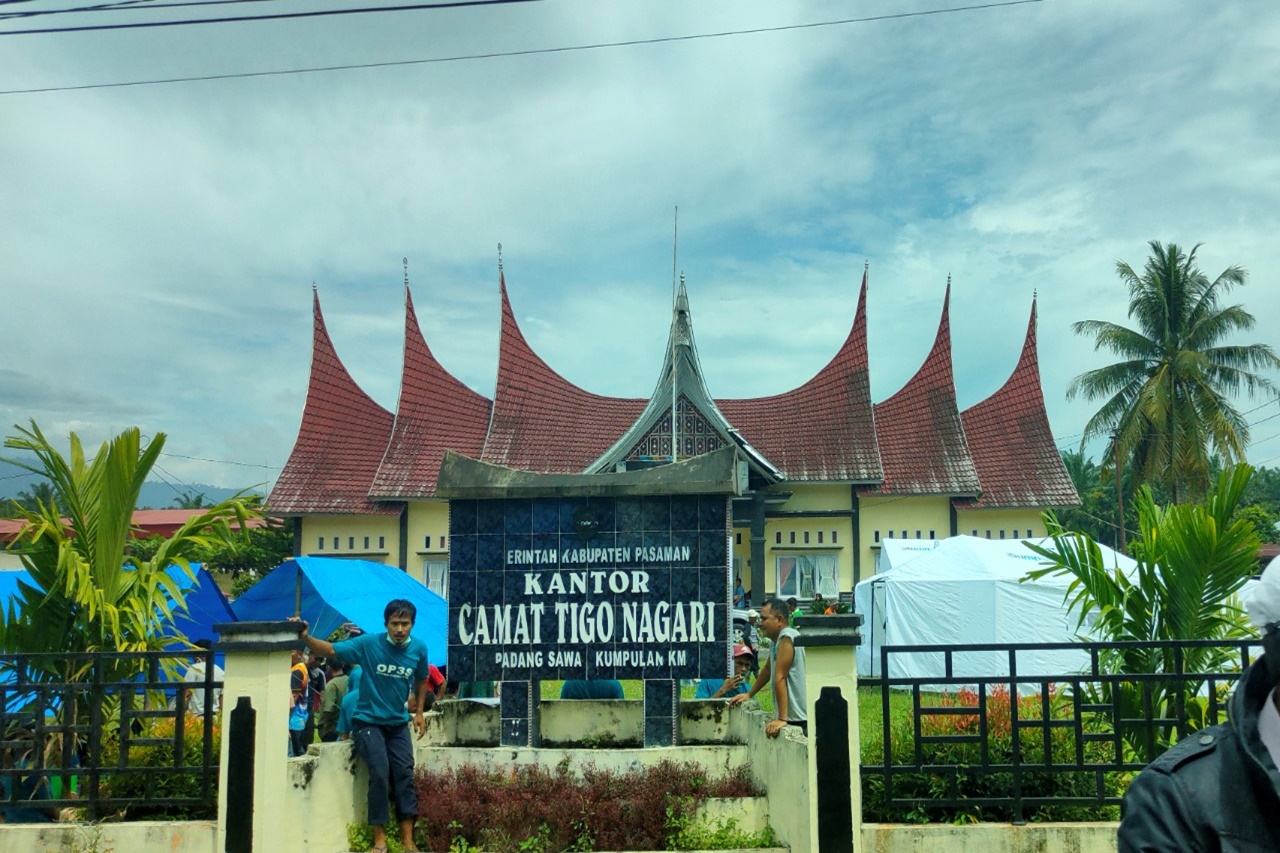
(549, 588)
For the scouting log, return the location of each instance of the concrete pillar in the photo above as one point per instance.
(831, 686)
(258, 657)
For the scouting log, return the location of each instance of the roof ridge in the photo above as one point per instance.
(341, 439)
(1011, 440)
(921, 421)
(530, 395)
(412, 458)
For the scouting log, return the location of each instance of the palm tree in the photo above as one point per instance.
(191, 500)
(38, 493)
(86, 593)
(1167, 403)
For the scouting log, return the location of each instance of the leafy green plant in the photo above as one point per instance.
(88, 593)
(968, 761)
(140, 782)
(686, 832)
(1192, 561)
(360, 838)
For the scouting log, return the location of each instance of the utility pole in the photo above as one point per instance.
(1115, 446)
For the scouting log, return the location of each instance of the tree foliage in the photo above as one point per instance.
(191, 500)
(87, 593)
(1168, 398)
(1192, 561)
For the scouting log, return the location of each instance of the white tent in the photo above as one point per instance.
(895, 552)
(968, 591)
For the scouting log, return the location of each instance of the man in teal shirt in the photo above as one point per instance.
(393, 665)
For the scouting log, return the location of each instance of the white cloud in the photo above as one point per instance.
(160, 241)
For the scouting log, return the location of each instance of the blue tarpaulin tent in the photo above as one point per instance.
(206, 605)
(336, 591)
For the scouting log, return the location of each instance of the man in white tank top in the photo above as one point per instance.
(784, 670)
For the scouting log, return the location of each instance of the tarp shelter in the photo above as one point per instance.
(967, 591)
(335, 592)
(895, 552)
(206, 605)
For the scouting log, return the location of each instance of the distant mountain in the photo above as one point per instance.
(162, 495)
(154, 495)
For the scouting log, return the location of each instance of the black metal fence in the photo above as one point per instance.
(108, 733)
(1048, 730)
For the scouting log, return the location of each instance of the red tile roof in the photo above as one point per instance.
(541, 421)
(340, 444)
(922, 441)
(1013, 448)
(824, 429)
(436, 412)
(145, 523)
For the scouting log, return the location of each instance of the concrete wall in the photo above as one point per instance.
(990, 838)
(194, 836)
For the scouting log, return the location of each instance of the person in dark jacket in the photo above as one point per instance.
(1219, 789)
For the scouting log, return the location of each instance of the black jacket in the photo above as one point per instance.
(1216, 790)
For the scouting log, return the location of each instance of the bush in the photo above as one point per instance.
(978, 767)
(534, 810)
(144, 786)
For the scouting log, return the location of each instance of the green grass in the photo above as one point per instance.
(870, 712)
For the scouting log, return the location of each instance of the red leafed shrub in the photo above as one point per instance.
(519, 808)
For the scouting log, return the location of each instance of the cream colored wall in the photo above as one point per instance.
(989, 523)
(890, 517)
(427, 518)
(359, 526)
(836, 532)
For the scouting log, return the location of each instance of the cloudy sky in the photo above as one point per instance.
(161, 241)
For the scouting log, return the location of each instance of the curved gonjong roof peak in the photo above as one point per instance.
(824, 429)
(1013, 449)
(922, 440)
(699, 425)
(542, 421)
(340, 443)
(436, 412)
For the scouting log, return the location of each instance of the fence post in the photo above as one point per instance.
(257, 673)
(831, 686)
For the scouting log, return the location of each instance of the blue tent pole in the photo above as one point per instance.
(297, 593)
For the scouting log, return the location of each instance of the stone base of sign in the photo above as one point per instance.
(521, 713)
(661, 712)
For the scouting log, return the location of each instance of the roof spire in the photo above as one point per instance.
(499, 259)
(406, 273)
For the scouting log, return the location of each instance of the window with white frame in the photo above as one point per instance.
(435, 576)
(803, 575)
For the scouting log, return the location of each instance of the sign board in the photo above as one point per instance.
(600, 587)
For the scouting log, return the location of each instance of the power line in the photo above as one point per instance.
(123, 6)
(513, 53)
(221, 461)
(239, 19)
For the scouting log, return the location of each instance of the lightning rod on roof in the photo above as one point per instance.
(406, 273)
(675, 246)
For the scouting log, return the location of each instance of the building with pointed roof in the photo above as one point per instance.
(824, 473)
